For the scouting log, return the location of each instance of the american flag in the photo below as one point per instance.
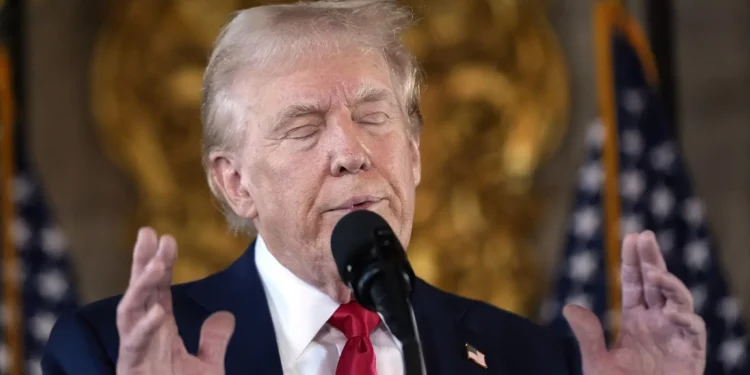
(475, 355)
(36, 286)
(655, 193)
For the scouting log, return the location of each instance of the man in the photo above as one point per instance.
(311, 111)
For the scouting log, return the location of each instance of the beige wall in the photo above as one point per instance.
(714, 55)
(92, 197)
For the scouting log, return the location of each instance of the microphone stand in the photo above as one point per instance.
(412, 352)
(392, 302)
(382, 281)
(413, 358)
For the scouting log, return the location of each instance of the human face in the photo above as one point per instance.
(328, 137)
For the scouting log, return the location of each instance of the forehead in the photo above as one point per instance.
(329, 79)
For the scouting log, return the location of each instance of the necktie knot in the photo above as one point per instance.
(353, 320)
(356, 323)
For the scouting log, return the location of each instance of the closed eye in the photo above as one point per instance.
(375, 118)
(302, 132)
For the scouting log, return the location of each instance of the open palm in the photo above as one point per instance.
(659, 332)
(149, 340)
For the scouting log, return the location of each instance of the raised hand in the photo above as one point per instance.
(659, 333)
(149, 340)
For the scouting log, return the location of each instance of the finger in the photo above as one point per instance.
(136, 341)
(587, 330)
(630, 274)
(649, 252)
(134, 302)
(651, 260)
(143, 251)
(654, 294)
(691, 322)
(167, 250)
(167, 254)
(673, 290)
(215, 335)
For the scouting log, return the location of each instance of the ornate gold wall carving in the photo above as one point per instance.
(495, 106)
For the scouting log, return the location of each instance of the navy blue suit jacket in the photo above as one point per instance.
(86, 341)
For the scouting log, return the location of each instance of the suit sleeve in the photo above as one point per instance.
(74, 348)
(573, 356)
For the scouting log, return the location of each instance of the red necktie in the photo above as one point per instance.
(356, 322)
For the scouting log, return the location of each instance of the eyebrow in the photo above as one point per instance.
(368, 93)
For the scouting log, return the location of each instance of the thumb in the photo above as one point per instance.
(215, 334)
(588, 331)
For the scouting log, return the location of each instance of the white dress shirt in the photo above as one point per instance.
(308, 345)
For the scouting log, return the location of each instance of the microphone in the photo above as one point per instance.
(373, 263)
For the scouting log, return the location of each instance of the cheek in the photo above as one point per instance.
(397, 162)
(292, 181)
(406, 161)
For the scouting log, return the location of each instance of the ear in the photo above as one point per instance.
(232, 183)
(416, 160)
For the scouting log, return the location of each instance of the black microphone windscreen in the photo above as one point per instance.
(354, 234)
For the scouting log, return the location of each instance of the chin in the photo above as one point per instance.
(336, 288)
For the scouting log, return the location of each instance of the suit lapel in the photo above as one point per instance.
(444, 338)
(239, 290)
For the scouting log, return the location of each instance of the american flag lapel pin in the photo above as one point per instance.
(475, 355)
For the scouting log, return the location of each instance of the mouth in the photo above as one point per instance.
(357, 203)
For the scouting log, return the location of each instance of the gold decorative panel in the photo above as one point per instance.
(495, 106)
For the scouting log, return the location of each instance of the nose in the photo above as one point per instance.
(349, 155)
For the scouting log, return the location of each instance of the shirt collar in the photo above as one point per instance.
(298, 309)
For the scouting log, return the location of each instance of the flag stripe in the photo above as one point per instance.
(11, 296)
